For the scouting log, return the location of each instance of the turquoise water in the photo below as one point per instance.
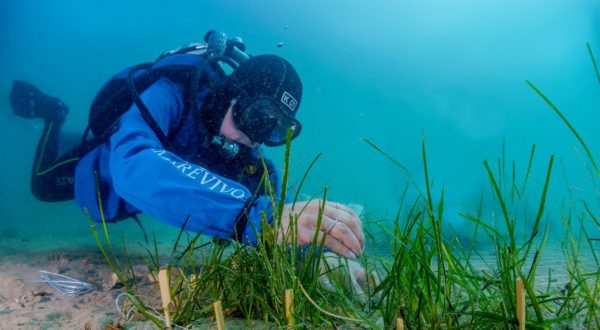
(382, 70)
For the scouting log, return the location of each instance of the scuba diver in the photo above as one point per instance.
(180, 139)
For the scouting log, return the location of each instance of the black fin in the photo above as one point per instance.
(28, 101)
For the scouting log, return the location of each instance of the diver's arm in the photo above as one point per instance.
(160, 183)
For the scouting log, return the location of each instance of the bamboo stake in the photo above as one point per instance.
(219, 315)
(520, 304)
(165, 294)
(399, 324)
(289, 307)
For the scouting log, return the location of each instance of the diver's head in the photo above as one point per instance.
(259, 100)
(266, 91)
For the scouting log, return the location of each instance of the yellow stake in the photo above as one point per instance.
(219, 315)
(165, 294)
(289, 306)
(399, 324)
(520, 304)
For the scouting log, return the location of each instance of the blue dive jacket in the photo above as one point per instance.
(134, 173)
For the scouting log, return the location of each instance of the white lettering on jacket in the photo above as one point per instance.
(206, 178)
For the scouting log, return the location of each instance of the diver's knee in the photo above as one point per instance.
(42, 193)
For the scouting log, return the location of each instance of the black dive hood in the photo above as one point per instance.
(266, 88)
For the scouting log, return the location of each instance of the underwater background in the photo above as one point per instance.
(387, 71)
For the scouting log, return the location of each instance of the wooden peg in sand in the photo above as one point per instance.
(219, 315)
(520, 304)
(399, 324)
(289, 307)
(165, 294)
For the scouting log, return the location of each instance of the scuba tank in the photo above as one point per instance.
(188, 66)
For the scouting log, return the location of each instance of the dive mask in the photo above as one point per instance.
(263, 119)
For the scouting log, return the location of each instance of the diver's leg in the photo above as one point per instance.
(51, 178)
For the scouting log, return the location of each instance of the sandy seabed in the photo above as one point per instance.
(27, 304)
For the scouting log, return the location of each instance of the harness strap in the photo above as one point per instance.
(143, 109)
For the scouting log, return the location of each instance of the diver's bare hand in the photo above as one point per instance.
(341, 225)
